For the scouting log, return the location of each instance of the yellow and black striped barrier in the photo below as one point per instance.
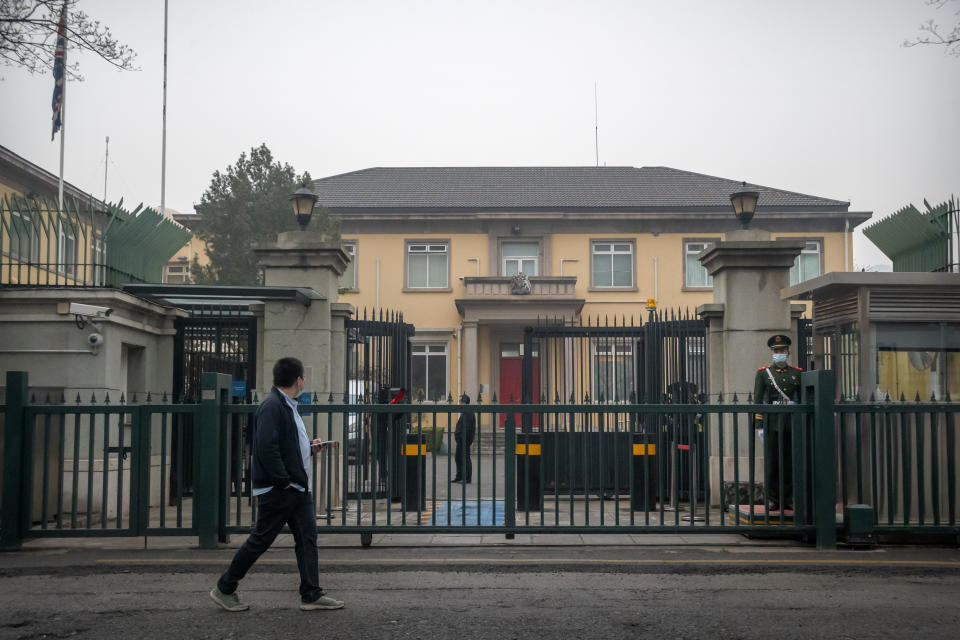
(415, 489)
(529, 485)
(644, 494)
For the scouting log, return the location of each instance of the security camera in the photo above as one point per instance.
(89, 310)
(95, 339)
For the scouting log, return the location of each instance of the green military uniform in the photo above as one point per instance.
(777, 432)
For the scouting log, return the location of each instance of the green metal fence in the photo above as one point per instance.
(84, 468)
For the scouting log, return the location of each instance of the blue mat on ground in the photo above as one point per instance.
(456, 514)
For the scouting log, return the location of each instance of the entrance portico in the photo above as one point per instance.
(495, 317)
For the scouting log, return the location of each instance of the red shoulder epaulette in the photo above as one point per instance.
(797, 368)
(762, 368)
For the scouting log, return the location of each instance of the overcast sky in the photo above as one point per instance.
(816, 96)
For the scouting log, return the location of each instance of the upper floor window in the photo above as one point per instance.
(807, 264)
(694, 273)
(612, 264)
(428, 265)
(177, 273)
(348, 280)
(99, 253)
(20, 237)
(520, 257)
(66, 250)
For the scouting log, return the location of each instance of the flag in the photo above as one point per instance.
(59, 71)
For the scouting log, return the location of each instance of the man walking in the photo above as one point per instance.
(281, 457)
(464, 434)
(777, 384)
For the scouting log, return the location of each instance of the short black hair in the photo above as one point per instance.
(286, 372)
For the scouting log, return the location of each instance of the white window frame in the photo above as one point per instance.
(426, 350)
(430, 248)
(350, 248)
(98, 254)
(687, 252)
(505, 260)
(796, 277)
(65, 235)
(26, 221)
(611, 252)
(624, 360)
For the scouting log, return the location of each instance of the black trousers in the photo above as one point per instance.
(276, 508)
(462, 458)
(777, 458)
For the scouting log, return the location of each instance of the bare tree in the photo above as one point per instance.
(932, 33)
(28, 36)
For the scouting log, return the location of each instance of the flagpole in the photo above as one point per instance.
(63, 124)
(163, 152)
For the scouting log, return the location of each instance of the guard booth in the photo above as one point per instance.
(891, 338)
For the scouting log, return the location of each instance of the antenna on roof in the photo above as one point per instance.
(596, 127)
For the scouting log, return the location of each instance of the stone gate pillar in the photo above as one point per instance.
(749, 270)
(311, 327)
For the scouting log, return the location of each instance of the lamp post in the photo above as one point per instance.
(303, 200)
(744, 202)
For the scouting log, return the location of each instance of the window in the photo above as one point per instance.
(612, 264)
(694, 273)
(66, 250)
(427, 266)
(612, 371)
(807, 264)
(428, 363)
(177, 273)
(520, 257)
(348, 280)
(99, 266)
(21, 235)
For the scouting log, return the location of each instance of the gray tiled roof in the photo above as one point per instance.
(644, 188)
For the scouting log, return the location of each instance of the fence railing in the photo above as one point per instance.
(96, 469)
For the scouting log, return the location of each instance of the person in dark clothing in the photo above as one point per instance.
(464, 434)
(281, 457)
(778, 383)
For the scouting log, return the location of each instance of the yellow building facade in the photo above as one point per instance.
(444, 247)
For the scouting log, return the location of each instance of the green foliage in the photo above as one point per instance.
(249, 203)
(433, 437)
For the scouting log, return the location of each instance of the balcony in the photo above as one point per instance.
(493, 297)
(484, 286)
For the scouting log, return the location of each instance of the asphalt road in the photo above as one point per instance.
(457, 592)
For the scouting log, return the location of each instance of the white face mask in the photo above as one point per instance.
(779, 358)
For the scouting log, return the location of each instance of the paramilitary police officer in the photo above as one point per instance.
(777, 384)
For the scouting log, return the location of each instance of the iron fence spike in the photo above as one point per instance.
(720, 398)
(556, 397)
(48, 398)
(316, 398)
(946, 397)
(255, 401)
(902, 398)
(93, 397)
(543, 399)
(149, 399)
(449, 398)
(330, 398)
(164, 399)
(734, 397)
(33, 398)
(887, 397)
(933, 397)
(106, 399)
(122, 399)
(134, 400)
(573, 398)
(633, 397)
(479, 397)
(750, 397)
(494, 398)
(917, 399)
(586, 398)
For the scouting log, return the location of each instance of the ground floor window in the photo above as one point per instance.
(429, 372)
(613, 371)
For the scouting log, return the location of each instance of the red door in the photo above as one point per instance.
(511, 383)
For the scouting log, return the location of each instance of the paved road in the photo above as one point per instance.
(491, 592)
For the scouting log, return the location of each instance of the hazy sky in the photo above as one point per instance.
(815, 96)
